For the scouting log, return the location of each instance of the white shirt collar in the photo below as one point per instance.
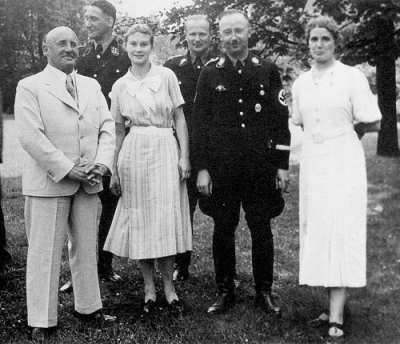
(61, 75)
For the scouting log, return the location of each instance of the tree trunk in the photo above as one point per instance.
(386, 87)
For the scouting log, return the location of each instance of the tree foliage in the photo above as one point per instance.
(375, 40)
(370, 35)
(276, 24)
(23, 24)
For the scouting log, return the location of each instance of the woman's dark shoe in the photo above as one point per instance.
(149, 307)
(336, 333)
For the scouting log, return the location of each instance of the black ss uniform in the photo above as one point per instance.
(106, 68)
(187, 75)
(241, 136)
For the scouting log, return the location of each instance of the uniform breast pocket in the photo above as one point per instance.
(95, 111)
(224, 107)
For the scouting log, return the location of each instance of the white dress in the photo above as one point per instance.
(152, 217)
(333, 183)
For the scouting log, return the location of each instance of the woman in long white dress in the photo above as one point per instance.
(333, 103)
(150, 170)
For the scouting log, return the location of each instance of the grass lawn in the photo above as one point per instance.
(372, 315)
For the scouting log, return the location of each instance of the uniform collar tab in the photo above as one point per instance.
(255, 61)
(183, 61)
(221, 62)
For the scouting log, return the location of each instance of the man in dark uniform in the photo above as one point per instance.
(187, 68)
(241, 152)
(104, 60)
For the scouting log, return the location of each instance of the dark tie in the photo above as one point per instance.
(198, 64)
(99, 50)
(69, 84)
(239, 66)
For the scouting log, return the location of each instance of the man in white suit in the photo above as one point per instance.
(66, 129)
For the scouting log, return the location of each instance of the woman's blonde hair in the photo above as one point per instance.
(142, 28)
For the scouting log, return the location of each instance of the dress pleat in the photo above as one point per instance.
(152, 217)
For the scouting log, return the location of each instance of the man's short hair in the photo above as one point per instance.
(233, 11)
(107, 8)
(198, 17)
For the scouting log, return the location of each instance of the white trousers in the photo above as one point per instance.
(47, 219)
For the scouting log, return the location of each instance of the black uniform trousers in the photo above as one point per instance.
(109, 204)
(254, 193)
(182, 260)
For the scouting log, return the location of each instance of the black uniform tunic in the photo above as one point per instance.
(241, 136)
(106, 68)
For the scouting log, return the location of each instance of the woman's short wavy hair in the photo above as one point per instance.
(142, 28)
(327, 23)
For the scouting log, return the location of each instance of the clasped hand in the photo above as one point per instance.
(88, 173)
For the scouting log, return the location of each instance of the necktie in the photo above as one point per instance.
(99, 50)
(70, 86)
(239, 66)
(198, 64)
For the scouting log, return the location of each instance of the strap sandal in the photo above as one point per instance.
(336, 333)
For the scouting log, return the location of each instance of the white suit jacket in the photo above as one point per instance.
(57, 134)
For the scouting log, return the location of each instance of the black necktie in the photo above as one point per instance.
(239, 66)
(99, 50)
(198, 64)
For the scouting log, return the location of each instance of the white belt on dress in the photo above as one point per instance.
(151, 131)
(321, 136)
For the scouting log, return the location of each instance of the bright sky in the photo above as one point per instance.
(138, 8)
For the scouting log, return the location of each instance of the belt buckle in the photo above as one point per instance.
(317, 137)
(152, 131)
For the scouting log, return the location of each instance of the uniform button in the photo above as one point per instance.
(240, 101)
(98, 56)
(81, 137)
(241, 113)
(240, 71)
(241, 89)
(82, 155)
(95, 75)
(243, 126)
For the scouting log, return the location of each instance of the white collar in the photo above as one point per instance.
(61, 75)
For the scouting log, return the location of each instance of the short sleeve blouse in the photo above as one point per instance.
(341, 97)
(151, 101)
